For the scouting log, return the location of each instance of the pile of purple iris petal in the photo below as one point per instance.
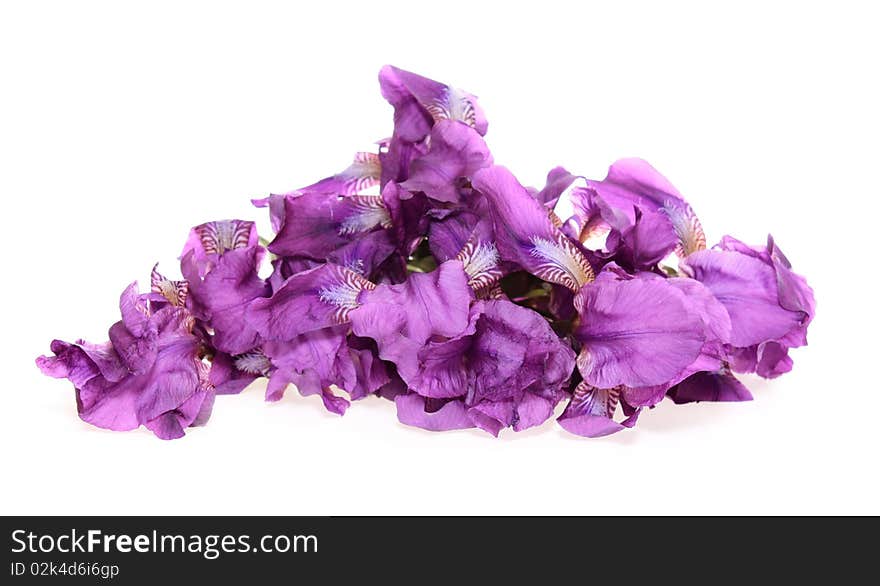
(453, 291)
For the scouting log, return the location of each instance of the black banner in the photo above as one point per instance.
(172, 550)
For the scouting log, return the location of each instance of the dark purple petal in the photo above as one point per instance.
(710, 386)
(409, 221)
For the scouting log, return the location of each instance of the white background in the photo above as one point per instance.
(123, 124)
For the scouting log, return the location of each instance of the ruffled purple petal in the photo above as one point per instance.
(402, 318)
(456, 151)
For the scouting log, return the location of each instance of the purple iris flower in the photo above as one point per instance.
(220, 291)
(770, 306)
(149, 374)
(506, 369)
(634, 187)
(453, 290)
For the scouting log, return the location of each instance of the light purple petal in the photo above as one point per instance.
(452, 415)
(635, 333)
(747, 288)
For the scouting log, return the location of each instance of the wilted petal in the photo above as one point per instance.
(525, 233)
(516, 351)
(313, 362)
(224, 295)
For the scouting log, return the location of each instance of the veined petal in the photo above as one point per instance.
(403, 318)
(364, 172)
(591, 410)
(441, 102)
(747, 287)
(526, 235)
(316, 224)
(634, 182)
(307, 301)
(363, 213)
(480, 261)
(218, 237)
(174, 291)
